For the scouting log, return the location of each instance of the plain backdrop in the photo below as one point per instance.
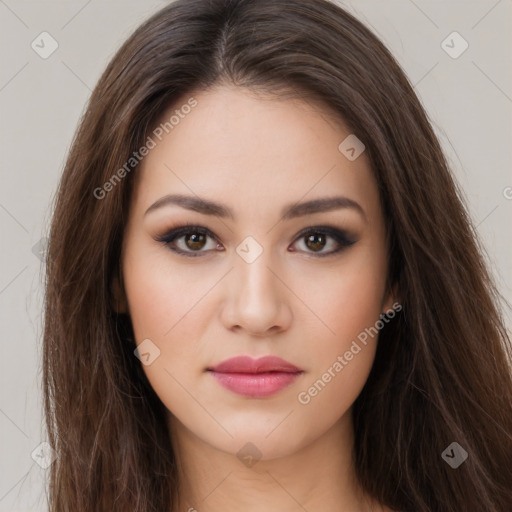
(467, 98)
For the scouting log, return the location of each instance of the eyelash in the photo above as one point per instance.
(340, 237)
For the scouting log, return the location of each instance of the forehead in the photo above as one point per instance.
(251, 149)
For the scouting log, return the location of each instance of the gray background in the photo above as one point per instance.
(468, 100)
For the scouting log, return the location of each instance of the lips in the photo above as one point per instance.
(246, 364)
(255, 378)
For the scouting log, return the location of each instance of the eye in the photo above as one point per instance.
(191, 240)
(316, 238)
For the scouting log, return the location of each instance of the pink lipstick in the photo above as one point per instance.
(255, 378)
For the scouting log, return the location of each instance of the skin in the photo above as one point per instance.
(256, 154)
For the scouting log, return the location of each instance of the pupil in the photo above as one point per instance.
(316, 244)
(196, 241)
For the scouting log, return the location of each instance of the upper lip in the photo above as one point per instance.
(246, 364)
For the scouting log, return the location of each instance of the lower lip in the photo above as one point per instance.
(255, 385)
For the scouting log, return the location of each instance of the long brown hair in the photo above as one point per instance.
(442, 371)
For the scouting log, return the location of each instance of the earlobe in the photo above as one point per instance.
(390, 299)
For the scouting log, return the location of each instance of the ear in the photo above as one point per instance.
(117, 293)
(391, 297)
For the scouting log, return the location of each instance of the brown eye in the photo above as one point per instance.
(195, 241)
(316, 239)
(190, 241)
(316, 242)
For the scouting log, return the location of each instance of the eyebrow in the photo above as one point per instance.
(290, 211)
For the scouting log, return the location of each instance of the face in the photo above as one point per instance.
(257, 274)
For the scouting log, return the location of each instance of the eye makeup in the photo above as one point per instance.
(198, 235)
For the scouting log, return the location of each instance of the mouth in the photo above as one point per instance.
(255, 378)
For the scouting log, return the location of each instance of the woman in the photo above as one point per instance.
(264, 291)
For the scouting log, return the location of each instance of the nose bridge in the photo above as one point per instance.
(257, 282)
(257, 300)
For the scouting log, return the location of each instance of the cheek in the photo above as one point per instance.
(160, 295)
(166, 308)
(349, 299)
(172, 307)
(349, 304)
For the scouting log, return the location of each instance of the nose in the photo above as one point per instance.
(256, 299)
